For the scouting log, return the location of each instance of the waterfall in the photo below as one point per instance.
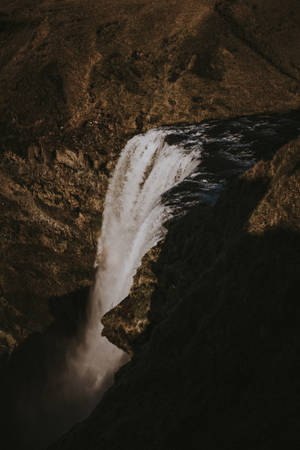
(159, 175)
(133, 222)
(134, 215)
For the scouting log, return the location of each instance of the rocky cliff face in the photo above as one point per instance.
(77, 80)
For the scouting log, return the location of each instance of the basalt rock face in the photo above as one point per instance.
(50, 217)
(78, 79)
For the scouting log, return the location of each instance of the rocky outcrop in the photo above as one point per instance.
(126, 324)
(51, 214)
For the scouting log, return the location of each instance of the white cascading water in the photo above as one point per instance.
(134, 215)
(133, 222)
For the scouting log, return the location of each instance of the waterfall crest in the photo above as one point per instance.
(134, 215)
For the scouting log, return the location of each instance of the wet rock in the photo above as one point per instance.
(126, 324)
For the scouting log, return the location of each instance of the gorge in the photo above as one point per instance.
(162, 179)
(160, 138)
